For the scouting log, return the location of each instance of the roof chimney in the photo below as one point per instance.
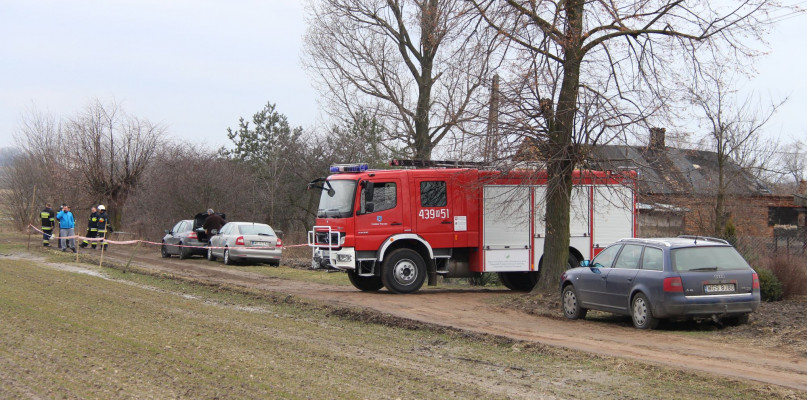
(656, 139)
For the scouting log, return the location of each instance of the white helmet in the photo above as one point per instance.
(101, 207)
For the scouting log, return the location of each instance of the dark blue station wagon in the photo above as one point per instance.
(688, 277)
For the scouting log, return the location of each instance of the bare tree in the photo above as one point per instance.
(735, 134)
(594, 68)
(794, 162)
(18, 182)
(111, 150)
(360, 138)
(43, 167)
(186, 179)
(420, 63)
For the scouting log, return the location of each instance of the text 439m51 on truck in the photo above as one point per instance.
(395, 228)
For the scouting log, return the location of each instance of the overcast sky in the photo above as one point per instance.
(197, 66)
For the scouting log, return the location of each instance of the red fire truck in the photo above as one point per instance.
(395, 228)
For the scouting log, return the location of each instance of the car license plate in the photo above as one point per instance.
(725, 287)
(256, 243)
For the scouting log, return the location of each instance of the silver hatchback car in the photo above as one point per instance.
(245, 241)
(688, 277)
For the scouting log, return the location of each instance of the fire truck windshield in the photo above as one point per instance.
(337, 203)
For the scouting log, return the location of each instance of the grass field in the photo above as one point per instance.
(102, 333)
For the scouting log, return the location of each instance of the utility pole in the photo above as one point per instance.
(492, 132)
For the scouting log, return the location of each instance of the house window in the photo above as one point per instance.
(783, 216)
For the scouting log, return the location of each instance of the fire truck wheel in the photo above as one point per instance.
(403, 271)
(519, 281)
(365, 283)
(573, 262)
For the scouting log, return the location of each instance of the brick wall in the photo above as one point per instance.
(750, 215)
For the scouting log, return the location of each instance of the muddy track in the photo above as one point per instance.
(467, 310)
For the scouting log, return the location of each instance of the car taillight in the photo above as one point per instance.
(193, 235)
(240, 240)
(279, 242)
(755, 284)
(673, 284)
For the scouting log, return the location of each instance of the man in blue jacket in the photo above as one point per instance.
(67, 228)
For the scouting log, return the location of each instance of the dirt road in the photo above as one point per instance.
(467, 310)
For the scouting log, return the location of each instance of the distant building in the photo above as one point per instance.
(677, 189)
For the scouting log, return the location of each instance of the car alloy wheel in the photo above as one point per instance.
(571, 306)
(642, 314)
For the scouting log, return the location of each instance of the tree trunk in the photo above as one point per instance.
(561, 157)
(720, 218)
(423, 143)
(114, 207)
(556, 245)
(428, 26)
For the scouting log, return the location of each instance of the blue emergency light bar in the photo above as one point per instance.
(349, 167)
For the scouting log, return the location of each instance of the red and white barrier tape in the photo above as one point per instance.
(107, 241)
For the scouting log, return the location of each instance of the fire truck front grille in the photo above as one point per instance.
(322, 238)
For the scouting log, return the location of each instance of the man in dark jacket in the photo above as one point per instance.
(102, 225)
(48, 218)
(213, 221)
(92, 228)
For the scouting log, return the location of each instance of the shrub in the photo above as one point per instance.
(770, 287)
(791, 273)
(730, 232)
(483, 279)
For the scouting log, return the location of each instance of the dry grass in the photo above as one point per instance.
(111, 334)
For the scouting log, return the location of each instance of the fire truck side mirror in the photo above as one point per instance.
(369, 191)
(314, 185)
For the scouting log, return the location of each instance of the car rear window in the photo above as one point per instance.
(256, 230)
(720, 258)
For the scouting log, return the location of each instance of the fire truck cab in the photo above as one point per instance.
(396, 228)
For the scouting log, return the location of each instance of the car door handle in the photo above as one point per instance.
(397, 223)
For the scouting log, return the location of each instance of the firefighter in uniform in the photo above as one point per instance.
(92, 228)
(48, 218)
(101, 225)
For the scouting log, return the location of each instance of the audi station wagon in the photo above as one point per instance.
(682, 278)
